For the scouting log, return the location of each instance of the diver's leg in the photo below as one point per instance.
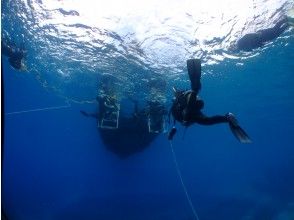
(217, 119)
(229, 118)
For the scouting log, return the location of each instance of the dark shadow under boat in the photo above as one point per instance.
(131, 136)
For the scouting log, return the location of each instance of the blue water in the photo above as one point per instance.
(55, 165)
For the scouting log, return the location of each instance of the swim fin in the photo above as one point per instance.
(239, 133)
(194, 72)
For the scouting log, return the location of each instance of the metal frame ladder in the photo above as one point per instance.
(110, 120)
(152, 126)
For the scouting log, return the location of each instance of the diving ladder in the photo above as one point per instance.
(157, 124)
(110, 120)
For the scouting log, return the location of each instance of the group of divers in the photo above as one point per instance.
(186, 106)
(186, 109)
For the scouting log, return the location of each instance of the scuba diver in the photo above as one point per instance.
(107, 106)
(254, 40)
(15, 55)
(187, 106)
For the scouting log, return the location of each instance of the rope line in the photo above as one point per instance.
(39, 109)
(182, 182)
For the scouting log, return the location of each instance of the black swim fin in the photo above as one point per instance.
(239, 133)
(194, 72)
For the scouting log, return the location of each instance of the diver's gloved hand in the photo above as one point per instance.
(232, 119)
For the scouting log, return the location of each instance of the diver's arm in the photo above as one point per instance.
(93, 115)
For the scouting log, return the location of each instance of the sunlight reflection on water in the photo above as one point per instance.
(133, 40)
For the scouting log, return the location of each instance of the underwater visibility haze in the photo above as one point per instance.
(58, 161)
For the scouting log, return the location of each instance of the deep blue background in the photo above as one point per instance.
(56, 167)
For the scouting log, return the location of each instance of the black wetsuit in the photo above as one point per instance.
(14, 54)
(186, 109)
(258, 39)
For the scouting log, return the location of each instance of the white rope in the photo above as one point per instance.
(182, 182)
(38, 109)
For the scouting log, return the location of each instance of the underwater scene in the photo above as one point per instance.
(147, 110)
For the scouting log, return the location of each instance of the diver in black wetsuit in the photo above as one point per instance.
(254, 40)
(186, 107)
(187, 110)
(15, 55)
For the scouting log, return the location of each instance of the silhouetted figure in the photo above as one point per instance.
(254, 40)
(15, 55)
(187, 107)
